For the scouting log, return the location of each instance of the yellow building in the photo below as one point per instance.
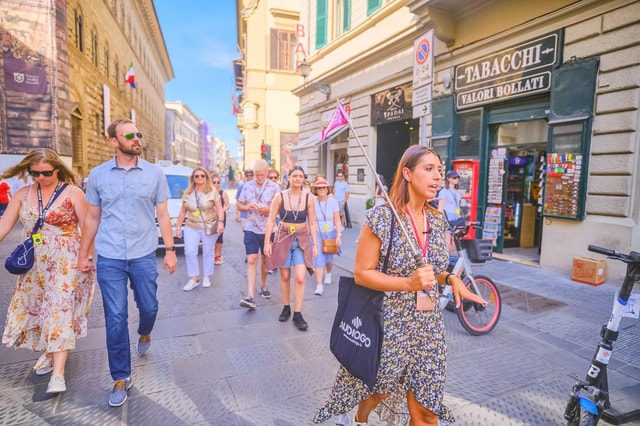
(268, 109)
(541, 98)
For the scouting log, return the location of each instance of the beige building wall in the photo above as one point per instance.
(184, 135)
(377, 53)
(123, 32)
(268, 107)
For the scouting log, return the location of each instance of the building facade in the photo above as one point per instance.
(535, 104)
(183, 135)
(267, 72)
(63, 80)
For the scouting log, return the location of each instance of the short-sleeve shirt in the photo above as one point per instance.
(252, 193)
(451, 199)
(324, 214)
(340, 190)
(128, 200)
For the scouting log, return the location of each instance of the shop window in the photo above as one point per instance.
(571, 114)
(442, 114)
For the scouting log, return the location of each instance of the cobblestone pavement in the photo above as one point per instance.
(213, 362)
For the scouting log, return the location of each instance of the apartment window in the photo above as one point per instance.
(342, 17)
(106, 63)
(94, 48)
(283, 46)
(373, 5)
(321, 23)
(79, 29)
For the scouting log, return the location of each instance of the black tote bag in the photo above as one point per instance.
(358, 327)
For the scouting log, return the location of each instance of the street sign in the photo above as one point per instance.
(422, 75)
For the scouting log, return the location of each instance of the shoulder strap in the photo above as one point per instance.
(49, 204)
(393, 228)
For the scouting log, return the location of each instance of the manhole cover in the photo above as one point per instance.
(525, 301)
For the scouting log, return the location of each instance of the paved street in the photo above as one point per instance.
(215, 363)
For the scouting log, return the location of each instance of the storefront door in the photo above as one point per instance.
(518, 150)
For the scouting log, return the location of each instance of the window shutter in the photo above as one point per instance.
(321, 23)
(373, 5)
(346, 15)
(273, 49)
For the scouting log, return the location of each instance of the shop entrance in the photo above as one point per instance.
(521, 146)
(393, 139)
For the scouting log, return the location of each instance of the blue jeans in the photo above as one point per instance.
(113, 277)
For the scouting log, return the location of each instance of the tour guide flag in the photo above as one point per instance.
(130, 77)
(339, 121)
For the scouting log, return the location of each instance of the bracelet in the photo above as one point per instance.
(446, 279)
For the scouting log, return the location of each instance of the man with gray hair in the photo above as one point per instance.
(255, 199)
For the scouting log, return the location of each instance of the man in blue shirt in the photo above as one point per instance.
(125, 195)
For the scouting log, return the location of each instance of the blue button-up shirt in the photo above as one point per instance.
(128, 201)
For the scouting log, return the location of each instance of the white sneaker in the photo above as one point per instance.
(191, 285)
(327, 278)
(56, 384)
(205, 282)
(319, 290)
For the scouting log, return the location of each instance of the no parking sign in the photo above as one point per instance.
(422, 74)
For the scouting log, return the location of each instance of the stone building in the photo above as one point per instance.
(534, 103)
(268, 110)
(79, 52)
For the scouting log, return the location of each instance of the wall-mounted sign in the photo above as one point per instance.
(518, 71)
(391, 105)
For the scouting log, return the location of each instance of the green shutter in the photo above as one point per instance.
(373, 5)
(321, 23)
(346, 15)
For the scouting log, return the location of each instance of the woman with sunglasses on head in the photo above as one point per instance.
(449, 199)
(294, 244)
(224, 200)
(201, 205)
(51, 301)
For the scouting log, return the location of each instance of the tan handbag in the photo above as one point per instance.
(210, 227)
(330, 246)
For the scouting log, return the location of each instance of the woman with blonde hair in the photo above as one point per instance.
(201, 206)
(50, 303)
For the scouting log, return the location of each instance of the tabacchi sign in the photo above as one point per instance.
(518, 71)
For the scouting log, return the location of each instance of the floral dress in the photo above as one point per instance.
(50, 302)
(414, 351)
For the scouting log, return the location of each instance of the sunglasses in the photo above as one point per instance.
(129, 136)
(215, 182)
(273, 177)
(46, 173)
(199, 176)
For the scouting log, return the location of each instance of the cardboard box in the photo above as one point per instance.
(588, 271)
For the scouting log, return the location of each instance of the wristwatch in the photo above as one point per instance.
(169, 249)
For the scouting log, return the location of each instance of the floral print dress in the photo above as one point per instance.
(414, 351)
(50, 302)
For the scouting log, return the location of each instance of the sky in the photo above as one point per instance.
(200, 36)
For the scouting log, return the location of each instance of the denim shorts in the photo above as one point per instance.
(253, 242)
(295, 256)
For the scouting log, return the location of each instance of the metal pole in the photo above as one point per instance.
(414, 248)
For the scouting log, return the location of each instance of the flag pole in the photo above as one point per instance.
(414, 248)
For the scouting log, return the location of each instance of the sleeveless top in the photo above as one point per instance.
(293, 216)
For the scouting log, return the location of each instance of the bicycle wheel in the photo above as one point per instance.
(474, 317)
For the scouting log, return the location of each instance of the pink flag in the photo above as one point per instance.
(339, 121)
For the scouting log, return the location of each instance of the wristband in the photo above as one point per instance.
(169, 249)
(446, 279)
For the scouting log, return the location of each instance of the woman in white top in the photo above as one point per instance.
(449, 199)
(200, 205)
(329, 227)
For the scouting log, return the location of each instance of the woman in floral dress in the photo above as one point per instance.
(51, 301)
(411, 375)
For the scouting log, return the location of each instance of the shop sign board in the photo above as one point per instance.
(518, 71)
(393, 104)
